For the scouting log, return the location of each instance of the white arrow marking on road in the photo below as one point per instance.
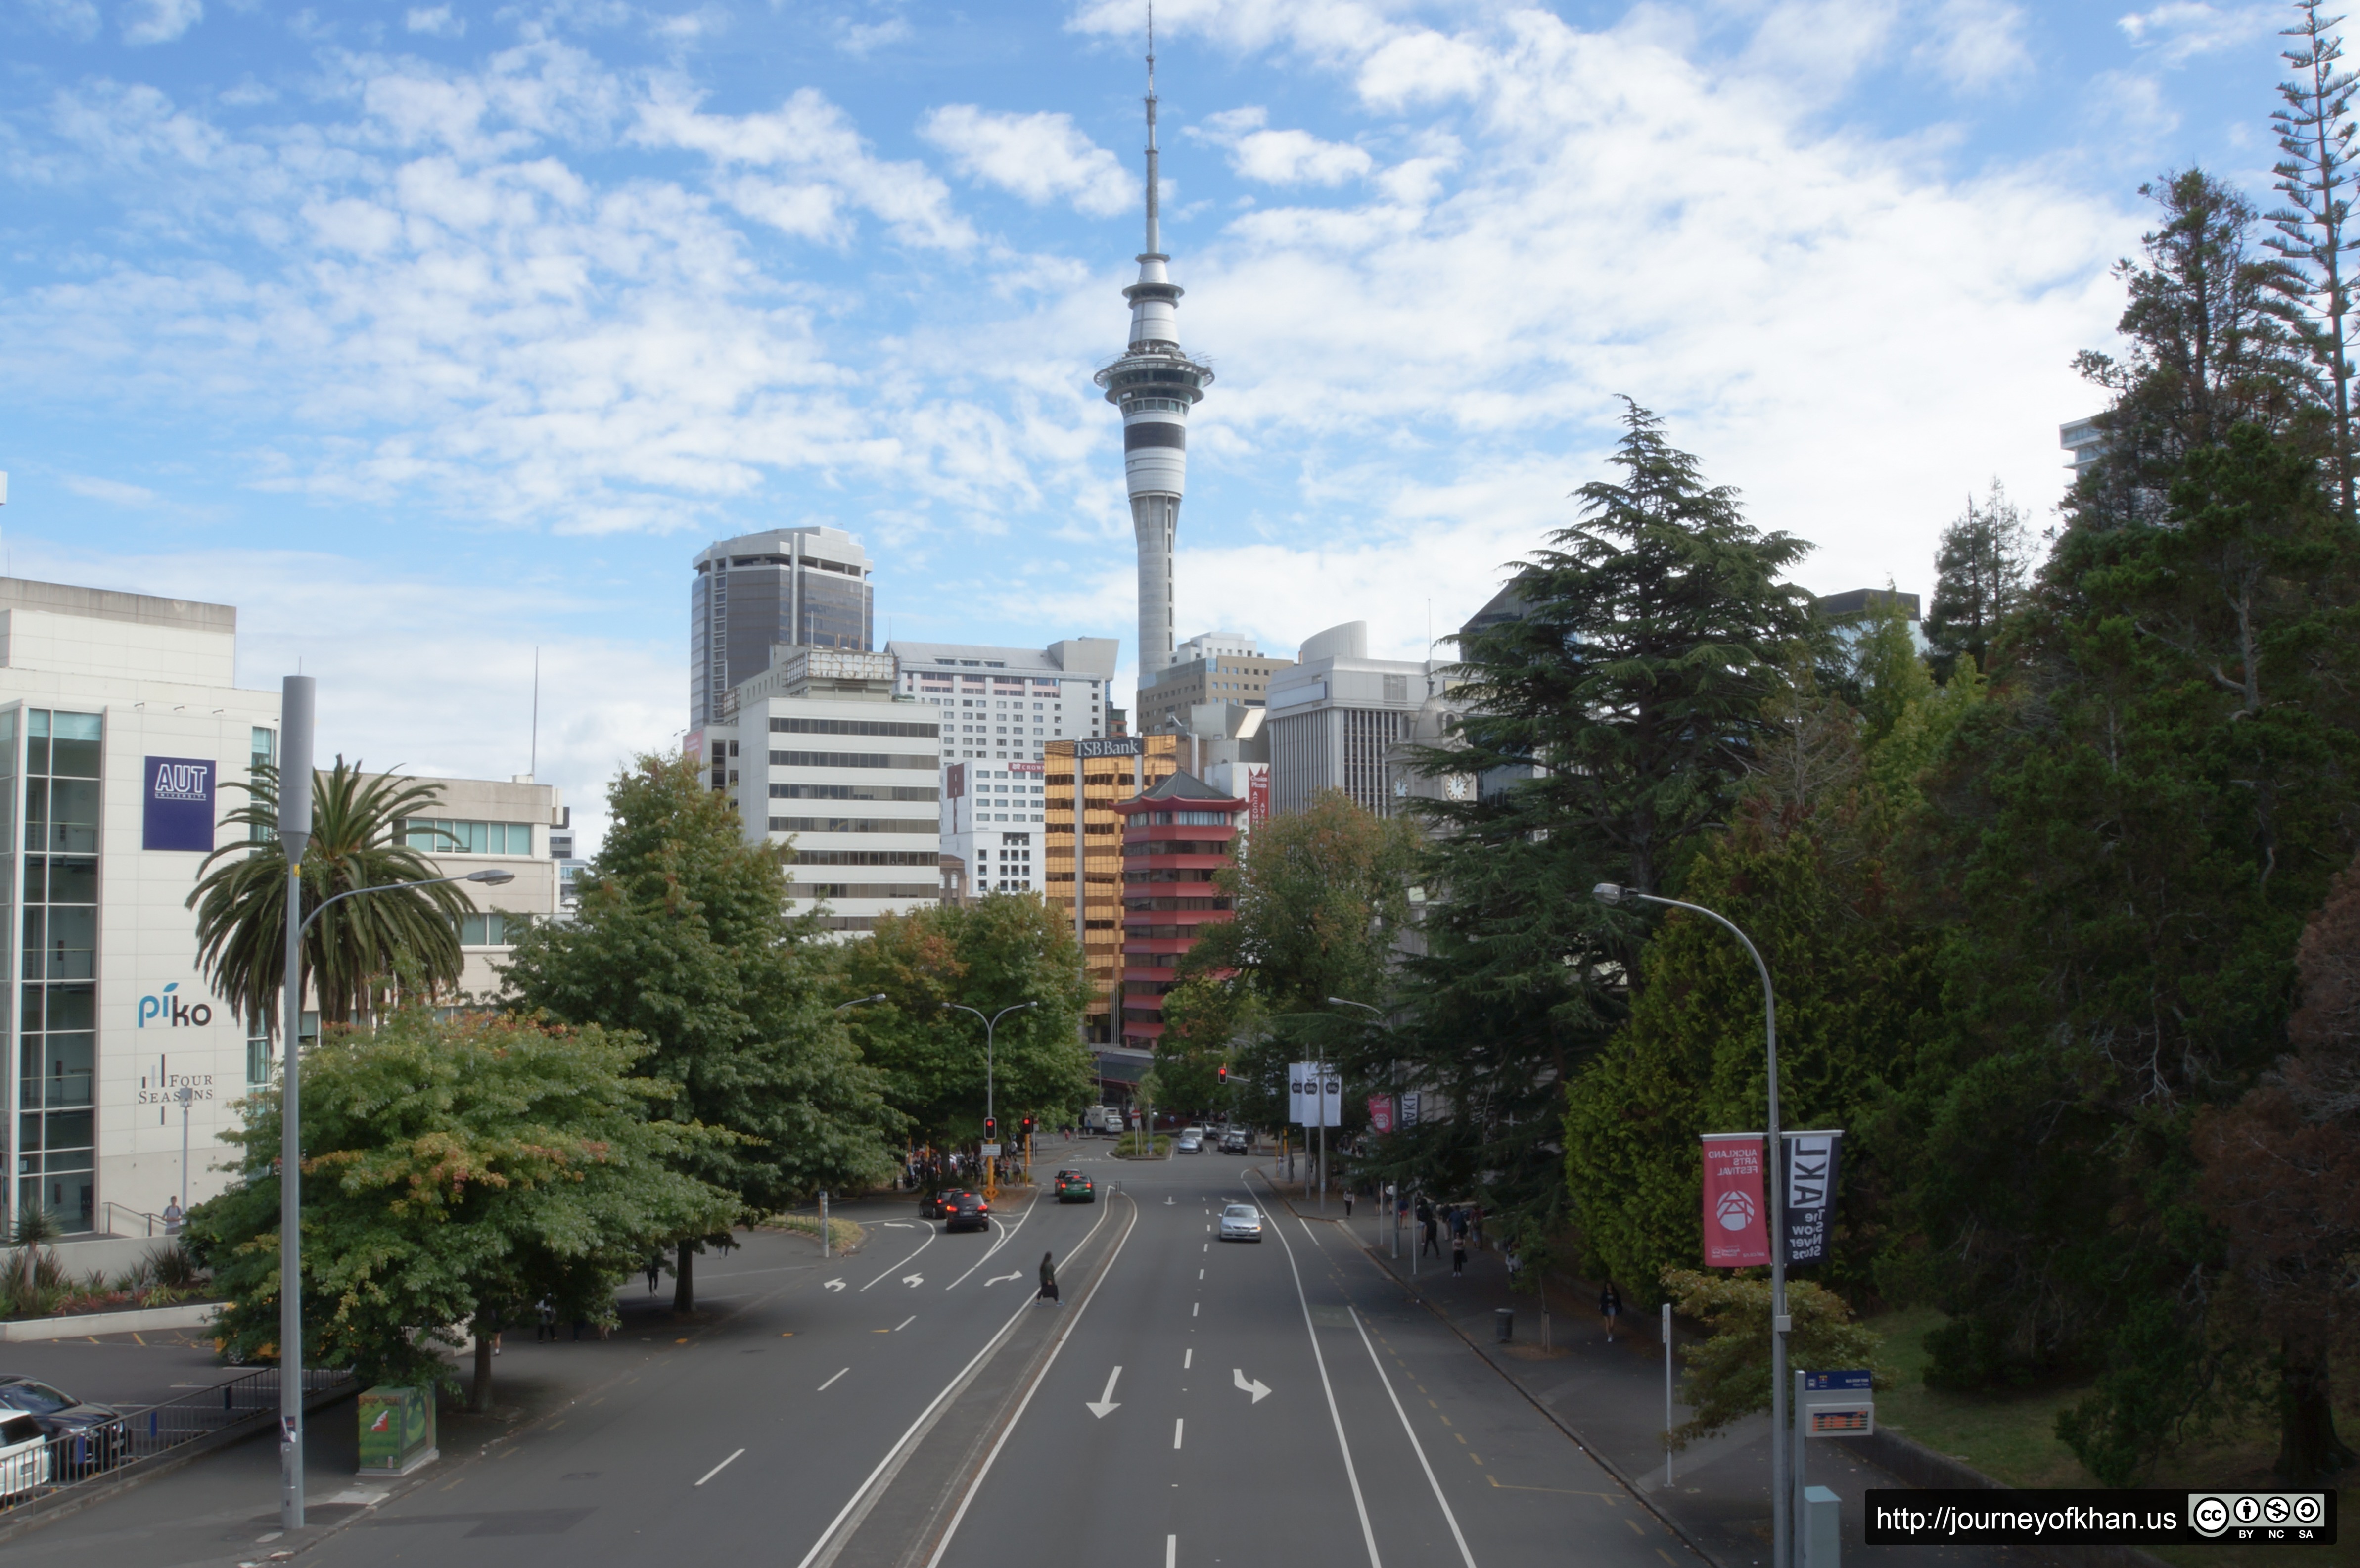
(914, 1280)
(835, 1285)
(1256, 1387)
(1105, 1402)
(1167, 1201)
(899, 1224)
(1003, 1279)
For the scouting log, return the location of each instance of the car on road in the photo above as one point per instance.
(99, 1439)
(1074, 1187)
(966, 1212)
(23, 1457)
(1241, 1222)
(1236, 1141)
(938, 1205)
(1192, 1141)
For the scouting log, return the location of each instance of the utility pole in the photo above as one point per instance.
(295, 723)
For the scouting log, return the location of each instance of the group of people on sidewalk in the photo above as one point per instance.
(1465, 1222)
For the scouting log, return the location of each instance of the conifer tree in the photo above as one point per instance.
(2315, 129)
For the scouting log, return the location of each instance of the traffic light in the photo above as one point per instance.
(990, 1130)
(1225, 1076)
(1027, 1127)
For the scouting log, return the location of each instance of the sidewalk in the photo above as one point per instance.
(1609, 1398)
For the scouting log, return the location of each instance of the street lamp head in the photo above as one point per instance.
(1607, 893)
(492, 877)
(859, 1001)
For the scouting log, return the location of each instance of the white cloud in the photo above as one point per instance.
(1040, 158)
(1281, 158)
(435, 22)
(1976, 45)
(859, 40)
(2179, 30)
(159, 21)
(109, 490)
(77, 20)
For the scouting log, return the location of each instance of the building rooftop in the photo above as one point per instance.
(107, 604)
(1071, 656)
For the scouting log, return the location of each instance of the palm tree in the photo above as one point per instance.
(411, 935)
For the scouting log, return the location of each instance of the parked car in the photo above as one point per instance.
(98, 1437)
(1074, 1187)
(967, 1212)
(23, 1457)
(1241, 1222)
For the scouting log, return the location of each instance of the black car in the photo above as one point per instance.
(101, 1438)
(966, 1212)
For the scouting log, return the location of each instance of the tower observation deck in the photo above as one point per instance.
(1155, 383)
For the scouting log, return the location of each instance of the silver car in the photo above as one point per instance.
(1191, 1142)
(1241, 1222)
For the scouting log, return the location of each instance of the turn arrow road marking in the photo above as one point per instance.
(834, 1285)
(914, 1280)
(1105, 1402)
(1003, 1279)
(1256, 1387)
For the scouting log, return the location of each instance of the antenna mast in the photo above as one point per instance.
(1155, 237)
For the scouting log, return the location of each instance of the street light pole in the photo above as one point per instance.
(991, 1114)
(1387, 1025)
(1781, 1323)
(294, 837)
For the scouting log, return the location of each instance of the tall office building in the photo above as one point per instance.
(1211, 666)
(807, 586)
(1155, 384)
(1335, 716)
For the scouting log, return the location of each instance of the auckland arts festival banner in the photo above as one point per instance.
(1736, 1224)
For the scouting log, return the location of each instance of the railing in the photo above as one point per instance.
(29, 1470)
(151, 1224)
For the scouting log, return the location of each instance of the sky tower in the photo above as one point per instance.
(1155, 384)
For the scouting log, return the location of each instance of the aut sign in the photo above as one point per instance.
(178, 807)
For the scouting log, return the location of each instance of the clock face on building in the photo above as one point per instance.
(1459, 786)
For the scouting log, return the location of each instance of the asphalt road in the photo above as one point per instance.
(910, 1408)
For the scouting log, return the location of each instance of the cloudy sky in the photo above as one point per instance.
(428, 335)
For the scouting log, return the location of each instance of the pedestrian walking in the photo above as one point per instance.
(1348, 1202)
(655, 1273)
(1458, 1225)
(1609, 1307)
(172, 1214)
(547, 1326)
(1048, 1282)
(1458, 1255)
(1514, 1263)
(1427, 1242)
(1479, 1228)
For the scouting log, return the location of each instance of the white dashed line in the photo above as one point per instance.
(724, 1464)
(1177, 1422)
(905, 1322)
(824, 1387)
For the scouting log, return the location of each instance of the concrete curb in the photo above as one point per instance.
(74, 1499)
(25, 1331)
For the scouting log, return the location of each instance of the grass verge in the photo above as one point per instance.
(842, 1236)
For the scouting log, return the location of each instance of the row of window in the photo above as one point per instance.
(443, 835)
(855, 792)
(814, 891)
(854, 824)
(851, 726)
(853, 759)
(493, 928)
(866, 857)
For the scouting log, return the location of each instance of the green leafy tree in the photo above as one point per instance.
(992, 953)
(461, 1170)
(360, 947)
(1979, 575)
(681, 937)
(1612, 721)
(2314, 286)
(1729, 1373)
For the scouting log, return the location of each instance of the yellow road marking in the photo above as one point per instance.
(1667, 1557)
(1633, 1524)
(1560, 1491)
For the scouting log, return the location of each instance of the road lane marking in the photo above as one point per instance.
(1005, 1432)
(1194, 1307)
(1335, 1418)
(1635, 1529)
(1188, 1360)
(1172, 1551)
(1382, 1376)
(717, 1470)
(1254, 1386)
(1201, 1273)
(905, 1322)
(1006, 1235)
(921, 1247)
(999, 1278)
(1177, 1422)
(1105, 1402)
(926, 1415)
(834, 1285)
(824, 1387)
(1499, 1485)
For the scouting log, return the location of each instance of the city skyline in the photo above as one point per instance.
(550, 304)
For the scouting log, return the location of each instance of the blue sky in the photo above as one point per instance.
(428, 335)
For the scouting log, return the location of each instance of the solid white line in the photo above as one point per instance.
(717, 1470)
(921, 1247)
(1368, 1535)
(824, 1387)
(905, 1322)
(1171, 1551)
(1308, 1231)
(1006, 1235)
(1177, 1422)
(1054, 1351)
(1464, 1555)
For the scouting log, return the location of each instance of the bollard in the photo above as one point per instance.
(1822, 1528)
(1503, 1323)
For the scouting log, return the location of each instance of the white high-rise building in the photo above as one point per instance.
(1335, 716)
(1155, 384)
(999, 708)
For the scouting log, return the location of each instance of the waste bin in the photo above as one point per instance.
(1503, 1323)
(397, 1430)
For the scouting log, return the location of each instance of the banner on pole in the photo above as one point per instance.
(1736, 1226)
(1380, 1113)
(1812, 1159)
(1315, 1094)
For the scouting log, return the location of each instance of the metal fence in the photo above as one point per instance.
(34, 1469)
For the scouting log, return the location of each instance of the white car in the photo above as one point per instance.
(1241, 1222)
(23, 1457)
(1191, 1142)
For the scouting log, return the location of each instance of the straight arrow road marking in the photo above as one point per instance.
(835, 1285)
(1003, 1279)
(1105, 1402)
(1256, 1387)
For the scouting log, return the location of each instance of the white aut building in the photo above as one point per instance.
(824, 753)
(1335, 717)
(1000, 707)
(124, 738)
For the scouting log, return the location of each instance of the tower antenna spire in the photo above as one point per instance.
(1154, 176)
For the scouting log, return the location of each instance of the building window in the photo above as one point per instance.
(58, 1005)
(258, 1059)
(492, 928)
(438, 835)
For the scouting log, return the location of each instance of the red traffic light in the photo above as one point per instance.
(1225, 1074)
(990, 1128)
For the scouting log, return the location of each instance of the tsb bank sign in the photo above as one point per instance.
(174, 1012)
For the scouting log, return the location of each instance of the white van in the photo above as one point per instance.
(23, 1457)
(1102, 1118)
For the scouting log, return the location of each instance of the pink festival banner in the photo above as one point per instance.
(1736, 1224)
(1380, 1113)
